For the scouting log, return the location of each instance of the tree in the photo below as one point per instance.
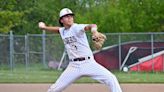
(22, 16)
(8, 17)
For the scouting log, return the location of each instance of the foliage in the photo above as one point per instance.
(9, 20)
(22, 16)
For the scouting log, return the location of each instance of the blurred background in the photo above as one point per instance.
(134, 28)
(22, 16)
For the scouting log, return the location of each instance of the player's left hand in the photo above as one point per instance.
(98, 40)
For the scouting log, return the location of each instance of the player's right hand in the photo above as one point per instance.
(41, 25)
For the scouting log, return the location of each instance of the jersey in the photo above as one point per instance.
(76, 44)
(75, 41)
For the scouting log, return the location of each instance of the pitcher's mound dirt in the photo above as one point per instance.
(81, 88)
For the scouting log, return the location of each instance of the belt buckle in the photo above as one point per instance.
(80, 59)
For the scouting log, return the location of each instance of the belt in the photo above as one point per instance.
(80, 59)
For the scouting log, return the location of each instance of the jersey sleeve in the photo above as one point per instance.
(81, 29)
(61, 31)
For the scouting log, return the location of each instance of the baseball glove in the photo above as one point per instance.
(98, 41)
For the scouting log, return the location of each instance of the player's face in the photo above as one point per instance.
(67, 20)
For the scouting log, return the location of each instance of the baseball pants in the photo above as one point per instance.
(90, 68)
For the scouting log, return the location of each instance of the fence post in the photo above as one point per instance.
(26, 52)
(163, 62)
(44, 48)
(152, 49)
(119, 45)
(11, 50)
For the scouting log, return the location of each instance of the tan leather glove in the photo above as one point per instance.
(98, 41)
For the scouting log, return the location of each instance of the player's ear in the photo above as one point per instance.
(61, 22)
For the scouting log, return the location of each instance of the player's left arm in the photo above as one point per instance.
(97, 37)
(93, 28)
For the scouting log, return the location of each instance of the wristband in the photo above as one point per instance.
(93, 29)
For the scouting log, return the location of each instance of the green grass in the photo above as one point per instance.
(140, 77)
(42, 76)
(50, 76)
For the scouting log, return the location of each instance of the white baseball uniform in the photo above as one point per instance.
(82, 62)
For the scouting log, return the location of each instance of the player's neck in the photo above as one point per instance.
(67, 26)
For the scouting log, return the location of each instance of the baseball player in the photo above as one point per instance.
(81, 60)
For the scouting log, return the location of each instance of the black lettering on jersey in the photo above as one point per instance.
(70, 40)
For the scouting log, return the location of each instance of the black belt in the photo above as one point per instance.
(80, 59)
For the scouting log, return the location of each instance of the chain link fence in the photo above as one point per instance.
(42, 51)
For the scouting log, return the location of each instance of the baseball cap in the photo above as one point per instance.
(65, 11)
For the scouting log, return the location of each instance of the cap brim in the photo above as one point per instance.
(67, 14)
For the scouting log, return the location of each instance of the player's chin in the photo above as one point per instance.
(70, 23)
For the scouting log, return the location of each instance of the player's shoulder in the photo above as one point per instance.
(76, 25)
(61, 28)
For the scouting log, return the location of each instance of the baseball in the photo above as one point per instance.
(41, 25)
(125, 69)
